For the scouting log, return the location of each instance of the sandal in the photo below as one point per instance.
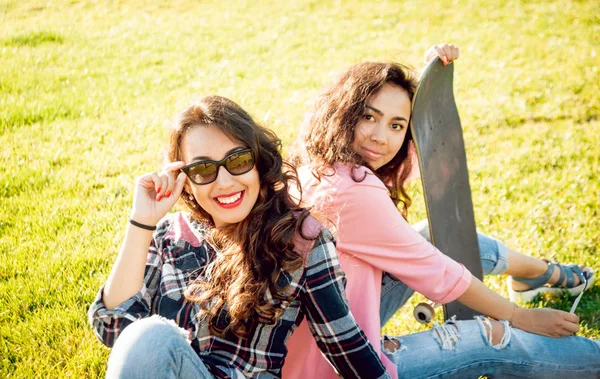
(538, 284)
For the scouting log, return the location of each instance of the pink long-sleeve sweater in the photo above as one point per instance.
(372, 237)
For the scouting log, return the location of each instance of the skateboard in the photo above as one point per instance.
(438, 139)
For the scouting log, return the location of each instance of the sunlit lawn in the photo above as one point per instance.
(88, 86)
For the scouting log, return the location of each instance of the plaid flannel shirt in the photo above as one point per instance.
(179, 252)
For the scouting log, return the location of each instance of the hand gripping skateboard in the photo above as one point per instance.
(438, 139)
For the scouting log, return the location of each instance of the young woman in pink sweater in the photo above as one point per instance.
(357, 144)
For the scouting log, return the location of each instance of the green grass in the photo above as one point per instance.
(86, 88)
(31, 38)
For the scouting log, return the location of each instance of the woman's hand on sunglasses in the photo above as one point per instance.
(156, 193)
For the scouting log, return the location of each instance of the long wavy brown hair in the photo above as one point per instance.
(241, 283)
(328, 131)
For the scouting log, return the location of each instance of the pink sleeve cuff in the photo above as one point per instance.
(461, 287)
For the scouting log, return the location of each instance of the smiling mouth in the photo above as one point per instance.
(372, 154)
(230, 200)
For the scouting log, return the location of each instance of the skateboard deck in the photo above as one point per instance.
(438, 139)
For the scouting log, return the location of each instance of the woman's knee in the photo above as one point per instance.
(153, 331)
(146, 340)
(497, 333)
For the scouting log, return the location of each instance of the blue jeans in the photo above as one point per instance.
(394, 293)
(155, 347)
(462, 349)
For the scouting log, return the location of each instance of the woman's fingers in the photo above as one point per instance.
(168, 178)
(564, 324)
(570, 329)
(548, 322)
(179, 184)
(440, 53)
(145, 181)
(451, 52)
(157, 182)
(447, 53)
(570, 323)
(571, 317)
(456, 52)
(164, 183)
(155, 194)
(170, 183)
(430, 54)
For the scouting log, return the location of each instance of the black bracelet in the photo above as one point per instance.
(143, 226)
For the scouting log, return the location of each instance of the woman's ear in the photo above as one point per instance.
(186, 193)
(187, 189)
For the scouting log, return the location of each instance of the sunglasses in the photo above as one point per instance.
(205, 172)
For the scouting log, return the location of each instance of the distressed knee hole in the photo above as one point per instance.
(497, 333)
(392, 345)
(447, 334)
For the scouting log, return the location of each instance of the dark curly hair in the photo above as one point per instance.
(328, 132)
(253, 252)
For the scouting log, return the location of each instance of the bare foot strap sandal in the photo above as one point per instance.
(539, 284)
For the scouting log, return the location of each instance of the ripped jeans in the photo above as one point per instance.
(463, 349)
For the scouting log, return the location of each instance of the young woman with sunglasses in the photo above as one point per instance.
(217, 291)
(357, 146)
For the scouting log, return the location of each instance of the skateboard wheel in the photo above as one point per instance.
(424, 313)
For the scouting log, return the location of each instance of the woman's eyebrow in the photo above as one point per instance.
(373, 109)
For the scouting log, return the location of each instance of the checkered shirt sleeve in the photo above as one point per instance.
(108, 324)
